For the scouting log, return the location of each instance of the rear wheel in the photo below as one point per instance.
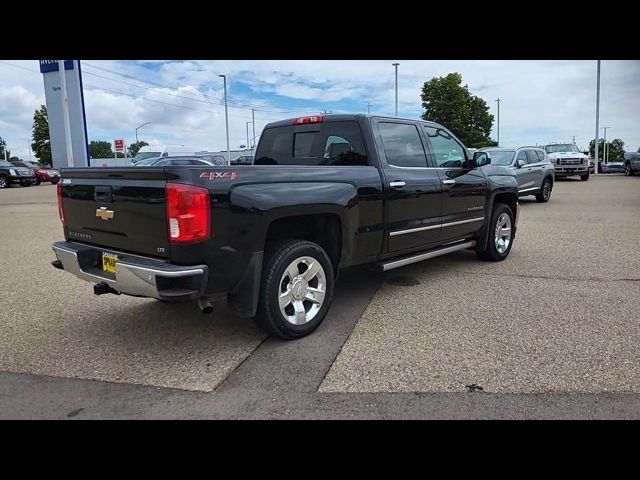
(3, 182)
(585, 177)
(545, 191)
(500, 238)
(627, 170)
(297, 289)
(38, 182)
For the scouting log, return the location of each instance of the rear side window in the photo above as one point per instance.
(402, 145)
(532, 156)
(330, 143)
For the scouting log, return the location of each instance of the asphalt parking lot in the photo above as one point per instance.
(559, 317)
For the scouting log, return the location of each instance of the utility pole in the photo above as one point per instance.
(597, 118)
(396, 65)
(226, 118)
(247, 124)
(28, 146)
(65, 113)
(369, 107)
(253, 123)
(498, 141)
(5, 150)
(574, 139)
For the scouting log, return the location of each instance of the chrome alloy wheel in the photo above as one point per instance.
(546, 190)
(302, 290)
(3, 182)
(503, 233)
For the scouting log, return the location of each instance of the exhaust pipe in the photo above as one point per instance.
(205, 305)
(102, 288)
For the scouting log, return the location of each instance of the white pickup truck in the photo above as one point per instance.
(568, 160)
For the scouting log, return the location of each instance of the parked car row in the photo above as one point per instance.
(26, 174)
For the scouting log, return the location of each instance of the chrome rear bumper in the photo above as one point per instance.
(135, 275)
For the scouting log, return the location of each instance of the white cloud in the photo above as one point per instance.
(540, 100)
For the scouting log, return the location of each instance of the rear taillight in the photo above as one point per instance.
(188, 213)
(60, 210)
(310, 119)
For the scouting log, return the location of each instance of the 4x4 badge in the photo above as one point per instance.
(104, 214)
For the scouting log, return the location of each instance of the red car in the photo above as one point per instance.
(43, 174)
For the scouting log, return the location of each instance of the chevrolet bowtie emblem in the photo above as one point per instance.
(104, 214)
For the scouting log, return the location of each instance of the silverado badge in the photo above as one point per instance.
(104, 214)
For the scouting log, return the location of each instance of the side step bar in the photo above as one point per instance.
(390, 265)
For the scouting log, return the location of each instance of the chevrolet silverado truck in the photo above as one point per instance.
(323, 193)
(632, 163)
(568, 160)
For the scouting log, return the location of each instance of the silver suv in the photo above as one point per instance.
(534, 172)
(568, 160)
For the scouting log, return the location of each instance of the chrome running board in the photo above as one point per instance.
(390, 265)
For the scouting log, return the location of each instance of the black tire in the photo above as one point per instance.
(55, 182)
(279, 256)
(38, 182)
(490, 251)
(627, 170)
(545, 191)
(585, 177)
(4, 183)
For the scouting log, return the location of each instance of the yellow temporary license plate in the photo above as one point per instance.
(109, 263)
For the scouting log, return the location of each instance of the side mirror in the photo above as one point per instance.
(480, 159)
(520, 163)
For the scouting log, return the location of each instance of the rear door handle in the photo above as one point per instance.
(398, 184)
(448, 182)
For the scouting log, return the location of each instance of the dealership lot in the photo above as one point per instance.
(558, 316)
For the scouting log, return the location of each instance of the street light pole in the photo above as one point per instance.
(498, 141)
(368, 107)
(597, 118)
(138, 128)
(396, 65)
(226, 118)
(604, 146)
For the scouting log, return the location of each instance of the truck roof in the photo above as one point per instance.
(343, 117)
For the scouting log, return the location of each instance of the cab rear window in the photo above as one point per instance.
(330, 143)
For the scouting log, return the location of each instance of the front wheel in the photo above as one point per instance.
(627, 170)
(296, 290)
(38, 181)
(545, 191)
(585, 177)
(500, 238)
(3, 182)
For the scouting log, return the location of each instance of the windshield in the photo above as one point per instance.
(501, 157)
(143, 155)
(564, 147)
(31, 164)
(148, 162)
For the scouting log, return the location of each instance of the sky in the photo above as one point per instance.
(541, 101)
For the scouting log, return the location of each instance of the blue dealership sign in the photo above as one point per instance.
(52, 65)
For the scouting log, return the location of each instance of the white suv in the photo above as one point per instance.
(568, 160)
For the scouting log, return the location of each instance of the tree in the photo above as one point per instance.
(615, 150)
(135, 147)
(3, 145)
(41, 144)
(15, 159)
(100, 149)
(449, 103)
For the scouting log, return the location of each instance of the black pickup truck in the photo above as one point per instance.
(323, 193)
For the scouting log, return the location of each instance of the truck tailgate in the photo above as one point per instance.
(119, 208)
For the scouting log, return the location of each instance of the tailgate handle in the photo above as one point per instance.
(103, 194)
